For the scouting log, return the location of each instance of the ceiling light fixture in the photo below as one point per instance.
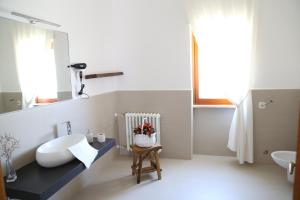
(34, 20)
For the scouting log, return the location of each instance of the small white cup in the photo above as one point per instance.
(89, 137)
(101, 137)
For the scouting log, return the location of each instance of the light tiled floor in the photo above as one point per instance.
(203, 178)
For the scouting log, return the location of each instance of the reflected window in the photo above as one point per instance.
(35, 59)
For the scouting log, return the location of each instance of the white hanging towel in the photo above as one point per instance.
(84, 152)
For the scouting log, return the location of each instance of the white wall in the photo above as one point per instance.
(148, 40)
(89, 26)
(278, 45)
(151, 43)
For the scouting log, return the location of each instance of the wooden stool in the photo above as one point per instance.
(139, 154)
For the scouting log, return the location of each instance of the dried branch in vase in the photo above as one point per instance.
(8, 144)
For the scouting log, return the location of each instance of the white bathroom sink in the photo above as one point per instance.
(55, 152)
(283, 158)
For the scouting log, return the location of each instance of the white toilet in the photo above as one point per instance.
(283, 159)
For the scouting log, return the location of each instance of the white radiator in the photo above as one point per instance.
(133, 120)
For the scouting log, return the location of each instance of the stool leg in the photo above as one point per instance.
(152, 160)
(140, 168)
(133, 167)
(157, 165)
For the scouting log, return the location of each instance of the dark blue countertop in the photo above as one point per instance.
(36, 182)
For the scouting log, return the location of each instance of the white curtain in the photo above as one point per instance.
(224, 30)
(35, 62)
(241, 130)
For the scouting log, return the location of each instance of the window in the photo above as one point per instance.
(222, 57)
(35, 60)
(208, 93)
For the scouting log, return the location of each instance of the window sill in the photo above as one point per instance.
(213, 106)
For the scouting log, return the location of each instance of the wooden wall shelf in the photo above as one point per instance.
(90, 76)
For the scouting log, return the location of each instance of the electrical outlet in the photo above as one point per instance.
(262, 105)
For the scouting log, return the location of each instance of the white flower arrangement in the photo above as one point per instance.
(8, 144)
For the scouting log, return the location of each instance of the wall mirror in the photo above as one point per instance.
(33, 66)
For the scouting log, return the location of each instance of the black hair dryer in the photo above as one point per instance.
(78, 69)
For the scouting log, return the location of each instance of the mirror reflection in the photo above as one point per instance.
(33, 66)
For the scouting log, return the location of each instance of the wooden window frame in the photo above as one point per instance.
(197, 99)
(41, 100)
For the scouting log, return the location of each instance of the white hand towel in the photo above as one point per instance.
(84, 152)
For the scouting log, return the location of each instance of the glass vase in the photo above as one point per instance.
(11, 175)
